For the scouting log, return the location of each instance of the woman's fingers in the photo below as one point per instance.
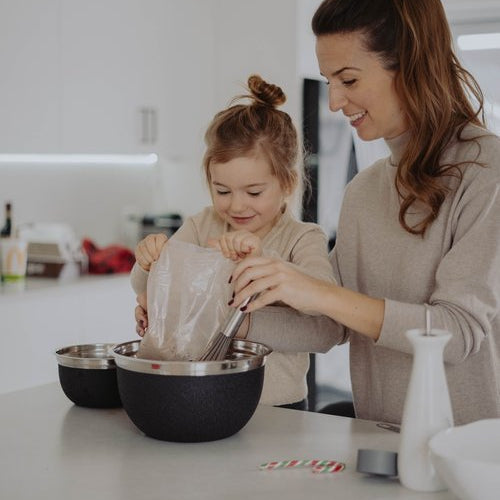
(251, 269)
(257, 275)
(276, 281)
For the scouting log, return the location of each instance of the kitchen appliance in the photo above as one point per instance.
(87, 374)
(166, 223)
(191, 401)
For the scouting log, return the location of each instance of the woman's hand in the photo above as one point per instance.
(148, 250)
(281, 281)
(141, 315)
(276, 280)
(237, 245)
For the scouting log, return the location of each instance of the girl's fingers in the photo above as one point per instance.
(159, 242)
(224, 247)
(213, 243)
(148, 250)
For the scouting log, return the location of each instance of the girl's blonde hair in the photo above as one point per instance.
(412, 38)
(243, 130)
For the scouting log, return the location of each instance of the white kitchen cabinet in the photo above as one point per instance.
(108, 76)
(30, 82)
(113, 58)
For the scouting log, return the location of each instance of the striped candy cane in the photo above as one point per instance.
(287, 464)
(331, 466)
(316, 464)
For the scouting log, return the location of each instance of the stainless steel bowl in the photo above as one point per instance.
(243, 355)
(191, 401)
(87, 374)
(89, 356)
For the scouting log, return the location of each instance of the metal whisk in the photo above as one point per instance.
(217, 349)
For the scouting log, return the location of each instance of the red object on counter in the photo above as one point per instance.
(108, 260)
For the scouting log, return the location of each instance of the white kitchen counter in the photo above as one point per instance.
(49, 314)
(51, 449)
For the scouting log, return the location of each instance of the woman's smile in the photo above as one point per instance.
(360, 86)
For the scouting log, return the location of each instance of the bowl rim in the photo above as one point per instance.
(124, 358)
(435, 442)
(67, 356)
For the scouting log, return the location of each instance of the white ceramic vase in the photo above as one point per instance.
(427, 410)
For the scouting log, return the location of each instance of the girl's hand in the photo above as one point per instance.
(148, 250)
(277, 280)
(237, 245)
(141, 315)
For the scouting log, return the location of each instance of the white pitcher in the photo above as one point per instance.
(427, 410)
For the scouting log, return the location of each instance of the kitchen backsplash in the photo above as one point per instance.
(96, 200)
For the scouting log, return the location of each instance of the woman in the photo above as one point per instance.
(417, 230)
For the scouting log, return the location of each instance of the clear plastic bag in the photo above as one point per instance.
(188, 292)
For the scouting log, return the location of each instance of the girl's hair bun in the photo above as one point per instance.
(264, 93)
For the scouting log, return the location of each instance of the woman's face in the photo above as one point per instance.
(360, 87)
(246, 194)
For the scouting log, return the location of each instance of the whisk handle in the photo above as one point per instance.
(234, 321)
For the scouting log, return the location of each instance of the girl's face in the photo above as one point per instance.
(246, 194)
(360, 86)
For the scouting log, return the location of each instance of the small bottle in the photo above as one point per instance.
(6, 231)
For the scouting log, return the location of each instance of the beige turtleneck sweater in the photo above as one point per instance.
(303, 244)
(454, 268)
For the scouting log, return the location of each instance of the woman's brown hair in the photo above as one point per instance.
(413, 39)
(244, 130)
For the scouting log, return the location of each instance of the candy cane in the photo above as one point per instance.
(316, 464)
(287, 464)
(331, 466)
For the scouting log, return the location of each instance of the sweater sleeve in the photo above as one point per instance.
(466, 296)
(310, 254)
(286, 330)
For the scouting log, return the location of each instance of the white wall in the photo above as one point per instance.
(256, 37)
(468, 11)
(214, 46)
(94, 199)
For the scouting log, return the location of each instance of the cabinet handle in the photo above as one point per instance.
(144, 125)
(153, 125)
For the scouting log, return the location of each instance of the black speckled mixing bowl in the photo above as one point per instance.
(191, 401)
(87, 374)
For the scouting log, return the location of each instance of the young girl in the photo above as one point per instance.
(250, 167)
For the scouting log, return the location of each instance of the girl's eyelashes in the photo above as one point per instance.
(253, 194)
